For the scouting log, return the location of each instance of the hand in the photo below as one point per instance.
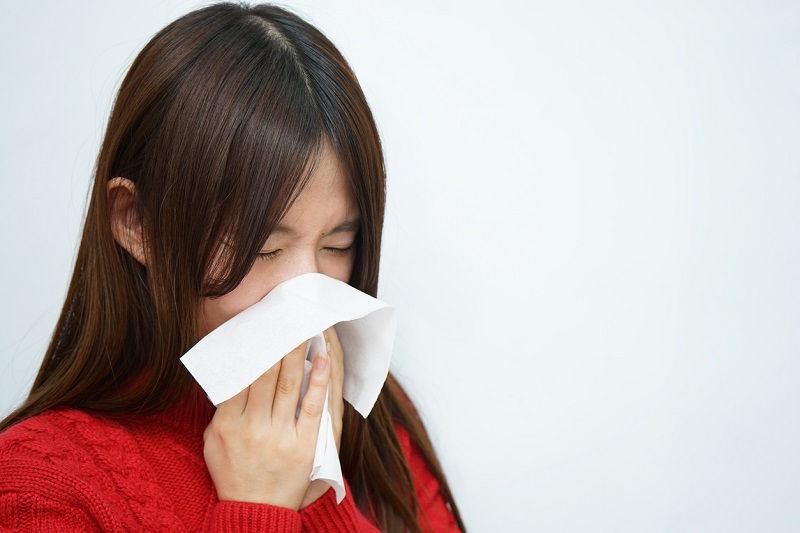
(317, 488)
(255, 449)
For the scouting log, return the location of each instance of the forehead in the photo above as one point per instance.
(326, 201)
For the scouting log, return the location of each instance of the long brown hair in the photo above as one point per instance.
(216, 123)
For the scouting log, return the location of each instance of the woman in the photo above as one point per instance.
(240, 152)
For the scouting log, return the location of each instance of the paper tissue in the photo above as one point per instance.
(235, 354)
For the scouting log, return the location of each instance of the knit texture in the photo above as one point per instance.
(66, 470)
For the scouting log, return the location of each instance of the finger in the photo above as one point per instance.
(314, 400)
(336, 356)
(336, 385)
(287, 388)
(262, 393)
(234, 406)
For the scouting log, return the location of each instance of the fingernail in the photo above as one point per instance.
(328, 347)
(321, 362)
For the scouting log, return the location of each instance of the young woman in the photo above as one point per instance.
(240, 152)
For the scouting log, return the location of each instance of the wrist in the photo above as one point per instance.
(316, 490)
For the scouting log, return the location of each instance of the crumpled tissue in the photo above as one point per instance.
(234, 355)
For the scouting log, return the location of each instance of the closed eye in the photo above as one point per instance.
(338, 251)
(266, 256)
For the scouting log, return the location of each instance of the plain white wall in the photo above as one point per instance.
(592, 238)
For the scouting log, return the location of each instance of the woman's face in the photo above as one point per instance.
(316, 235)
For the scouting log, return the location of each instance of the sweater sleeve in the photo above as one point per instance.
(39, 498)
(325, 515)
(32, 512)
(242, 517)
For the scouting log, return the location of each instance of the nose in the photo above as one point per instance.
(304, 263)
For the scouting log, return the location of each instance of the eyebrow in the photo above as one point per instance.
(348, 226)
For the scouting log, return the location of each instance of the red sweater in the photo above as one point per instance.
(65, 470)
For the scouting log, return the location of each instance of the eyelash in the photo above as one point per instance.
(267, 256)
(340, 251)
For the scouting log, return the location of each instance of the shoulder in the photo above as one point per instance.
(47, 436)
(60, 436)
(46, 468)
(63, 442)
(417, 464)
(66, 460)
(434, 512)
(416, 461)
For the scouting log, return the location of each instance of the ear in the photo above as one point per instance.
(125, 224)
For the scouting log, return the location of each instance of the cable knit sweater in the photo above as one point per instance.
(68, 471)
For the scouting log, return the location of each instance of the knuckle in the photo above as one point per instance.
(311, 407)
(286, 384)
(254, 439)
(317, 381)
(214, 432)
(305, 454)
(283, 447)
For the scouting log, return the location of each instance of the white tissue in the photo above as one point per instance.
(234, 355)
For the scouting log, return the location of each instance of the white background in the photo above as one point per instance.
(592, 238)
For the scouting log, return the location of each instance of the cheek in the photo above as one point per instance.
(259, 281)
(216, 311)
(340, 268)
